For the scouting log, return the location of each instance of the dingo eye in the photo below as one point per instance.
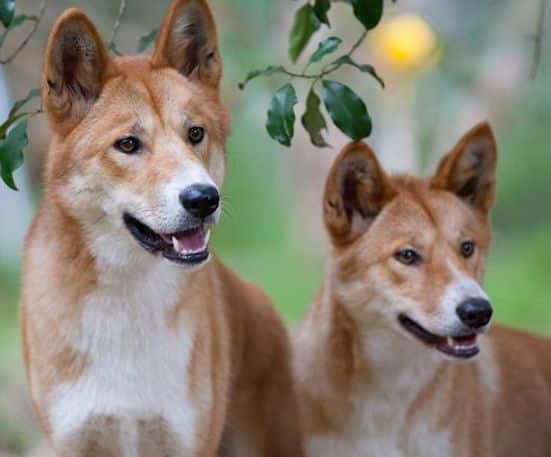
(408, 257)
(467, 249)
(128, 145)
(196, 134)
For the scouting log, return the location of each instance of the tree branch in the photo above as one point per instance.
(538, 39)
(26, 40)
(358, 43)
(116, 25)
(329, 68)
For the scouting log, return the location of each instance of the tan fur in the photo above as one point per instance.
(369, 388)
(238, 375)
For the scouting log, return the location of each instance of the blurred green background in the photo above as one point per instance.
(447, 65)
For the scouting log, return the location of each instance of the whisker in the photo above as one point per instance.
(227, 212)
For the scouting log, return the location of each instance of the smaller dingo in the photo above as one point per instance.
(402, 303)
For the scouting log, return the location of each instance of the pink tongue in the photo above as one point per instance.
(191, 240)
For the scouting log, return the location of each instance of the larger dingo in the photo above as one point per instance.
(137, 340)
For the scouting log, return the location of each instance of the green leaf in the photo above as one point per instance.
(16, 22)
(365, 68)
(8, 123)
(327, 46)
(20, 19)
(7, 11)
(146, 40)
(368, 12)
(305, 25)
(347, 110)
(11, 153)
(33, 93)
(14, 115)
(321, 8)
(313, 121)
(281, 115)
(270, 70)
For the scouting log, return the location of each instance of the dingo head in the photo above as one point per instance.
(410, 253)
(138, 156)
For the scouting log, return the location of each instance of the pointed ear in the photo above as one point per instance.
(469, 170)
(75, 68)
(355, 192)
(187, 42)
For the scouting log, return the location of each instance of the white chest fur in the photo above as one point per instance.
(379, 429)
(136, 361)
(378, 425)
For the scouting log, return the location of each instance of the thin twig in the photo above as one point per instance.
(303, 75)
(117, 24)
(358, 43)
(329, 68)
(326, 70)
(24, 43)
(538, 40)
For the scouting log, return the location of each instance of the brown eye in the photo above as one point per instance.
(128, 145)
(467, 249)
(195, 134)
(408, 257)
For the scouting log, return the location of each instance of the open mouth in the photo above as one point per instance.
(187, 247)
(461, 346)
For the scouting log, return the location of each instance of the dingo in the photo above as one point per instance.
(401, 300)
(135, 343)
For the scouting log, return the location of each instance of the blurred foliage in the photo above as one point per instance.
(147, 40)
(517, 279)
(9, 287)
(524, 195)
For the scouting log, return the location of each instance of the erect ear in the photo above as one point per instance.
(356, 190)
(187, 42)
(75, 68)
(469, 170)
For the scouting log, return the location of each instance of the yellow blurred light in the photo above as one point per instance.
(405, 41)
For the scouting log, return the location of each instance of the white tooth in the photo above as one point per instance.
(207, 238)
(176, 244)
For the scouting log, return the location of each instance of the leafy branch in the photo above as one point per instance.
(347, 111)
(13, 131)
(10, 21)
(13, 137)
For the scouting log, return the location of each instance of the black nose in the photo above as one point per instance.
(475, 312)
(200, 200)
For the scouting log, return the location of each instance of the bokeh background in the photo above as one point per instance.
(447, 64)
